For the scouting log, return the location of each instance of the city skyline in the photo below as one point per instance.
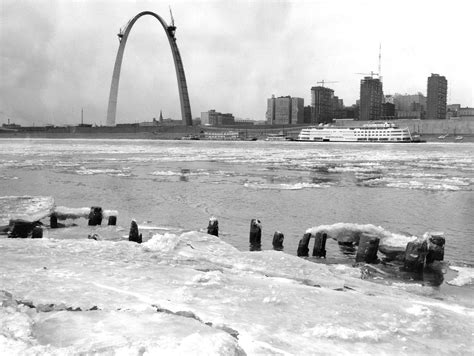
(58, 57)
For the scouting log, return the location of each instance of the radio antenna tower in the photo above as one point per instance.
(380, 61)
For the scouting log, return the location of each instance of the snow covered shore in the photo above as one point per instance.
(195, 294)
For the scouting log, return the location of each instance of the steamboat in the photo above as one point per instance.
(376, 132)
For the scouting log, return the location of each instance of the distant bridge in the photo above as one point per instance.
(178, 64)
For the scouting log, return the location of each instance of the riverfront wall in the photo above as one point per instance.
(458, 126)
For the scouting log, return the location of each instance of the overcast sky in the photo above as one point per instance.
(57, 56)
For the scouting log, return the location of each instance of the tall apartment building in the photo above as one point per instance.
(285, 110)
(437, 95)
(322, 103)
(371, 97)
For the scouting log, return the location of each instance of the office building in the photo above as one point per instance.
(371, 96)
(437, 95)
(285, 110)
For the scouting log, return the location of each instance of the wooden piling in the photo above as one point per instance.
(53, 221)
(255, 235)
(415, 255)
(303, 250)
(213, 227)
(37, 232)
(435, 248)
(368, 247)
(95, 216)
(20, 229)
(112, 220)
(278, 238)
(134, 236)
(319, 249)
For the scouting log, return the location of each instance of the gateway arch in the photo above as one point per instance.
(178, 64)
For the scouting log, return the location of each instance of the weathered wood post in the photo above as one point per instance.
(112, 220)
(278, 238)
(20, 229)
(415, 254)
(95, 216)
(213, 227)
(368, 247)
(255, 235)
(53, 221)
(134, 236)
(37, 232)
(436, 243)
(319, 249)
(303, 250)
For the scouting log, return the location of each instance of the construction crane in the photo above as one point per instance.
(323, 81)
(371, 74)
(172, 28)
(122, 30)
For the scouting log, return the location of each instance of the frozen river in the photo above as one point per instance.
(186, 291)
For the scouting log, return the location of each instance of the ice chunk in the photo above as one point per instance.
(465, 276)
(24, 208)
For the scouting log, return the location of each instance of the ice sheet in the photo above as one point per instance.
(265, 302)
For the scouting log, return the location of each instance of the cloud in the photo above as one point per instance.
(57, 56)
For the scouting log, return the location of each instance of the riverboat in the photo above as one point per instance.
(376, 132)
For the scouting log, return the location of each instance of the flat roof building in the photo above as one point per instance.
(322, 103)
(371, 97)
(285, 110)
(437, 96)
(214, 118)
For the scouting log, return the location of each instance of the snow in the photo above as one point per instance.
(24, 208)
(64, 213)
(192, 293)
(465, 276)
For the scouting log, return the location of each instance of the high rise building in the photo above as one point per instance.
(437, 94)
(322, 103)
(371, 96)
(285, 110)
(297, 111)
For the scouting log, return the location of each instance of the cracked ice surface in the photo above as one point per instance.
(194, 294)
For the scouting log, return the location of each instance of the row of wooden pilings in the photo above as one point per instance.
(22, 229)
(418, 253)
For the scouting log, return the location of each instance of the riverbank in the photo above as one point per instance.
(178, 135)
(192, 292)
